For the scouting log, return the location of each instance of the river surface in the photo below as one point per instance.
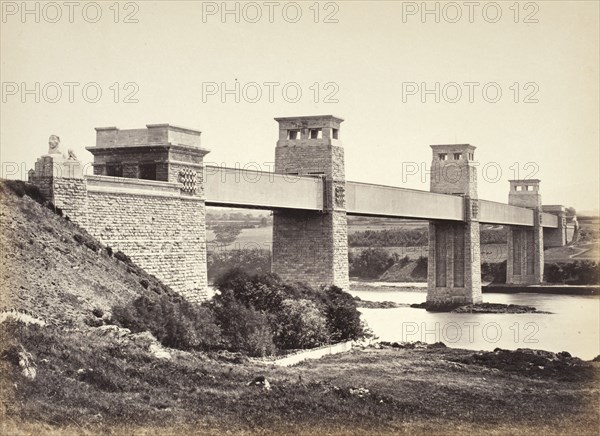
(573, 325)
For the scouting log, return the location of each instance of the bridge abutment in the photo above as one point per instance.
(525, 253)
(145, 199)
(312, 246)
(454, 263)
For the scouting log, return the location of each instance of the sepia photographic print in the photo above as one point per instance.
(299, 217)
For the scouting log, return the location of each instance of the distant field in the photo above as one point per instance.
(262, 237)
(585, 251)
(249, 238)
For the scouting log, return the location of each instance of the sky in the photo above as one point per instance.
(519, 80)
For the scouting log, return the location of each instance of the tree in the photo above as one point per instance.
(226, 233)
(371, 263)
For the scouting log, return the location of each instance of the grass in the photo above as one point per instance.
(92, 383)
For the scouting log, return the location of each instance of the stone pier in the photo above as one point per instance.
(525, 255)
(312, 246)
(454, 270)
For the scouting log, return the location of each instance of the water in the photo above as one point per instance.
(573, 325)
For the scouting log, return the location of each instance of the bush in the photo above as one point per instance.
(244, 328)
(300, 324)
(263, 292)
(493, 272)
(343, 317)
(421, 268)
(174, 322)
(371, 263)
(123, 258)
(295, 313)
(21, 188)
(251, 261)
(580, 272)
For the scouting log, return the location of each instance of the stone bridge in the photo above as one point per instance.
(150, 189)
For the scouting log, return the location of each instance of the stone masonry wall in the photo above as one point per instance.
(71, 196)
(165, 236)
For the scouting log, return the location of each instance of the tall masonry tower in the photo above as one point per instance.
(454, 270)
(525, 255)
(311, 246)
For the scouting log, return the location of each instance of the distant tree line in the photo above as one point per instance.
(399, 237)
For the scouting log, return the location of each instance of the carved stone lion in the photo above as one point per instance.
(54, 145)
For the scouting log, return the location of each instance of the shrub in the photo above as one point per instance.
(244, 328)
(21, 188)
(294, 313)
(123, 258)
(494, 272)
(371, 263)
(263, 292)
(92, 321)
(580, 272)
(343, 317)
(421, 267)
(251, 261)
(175, 323)
(87, 241)
(300, 325)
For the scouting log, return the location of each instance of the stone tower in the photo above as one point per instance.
(454, 270)
(525, 256)
(308, 246)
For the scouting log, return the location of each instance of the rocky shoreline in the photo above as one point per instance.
(479, 308)
(366, 304)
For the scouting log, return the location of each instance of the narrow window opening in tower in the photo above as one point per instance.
(114, 170)
(443, 156)
(316, 133)
(518, 188)
(457, 156)
(148, 171)
(334, 133)
(293, 134)
(471, 156)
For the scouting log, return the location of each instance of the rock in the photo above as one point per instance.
(27, 364)
(260, 381)
(112, 330)
(159, 352)
(359, 392)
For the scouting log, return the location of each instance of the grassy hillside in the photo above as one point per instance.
(77, 377)
(55, 270)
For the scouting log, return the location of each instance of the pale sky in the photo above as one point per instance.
(366, 58)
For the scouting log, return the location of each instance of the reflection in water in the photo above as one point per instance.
(573, 325)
